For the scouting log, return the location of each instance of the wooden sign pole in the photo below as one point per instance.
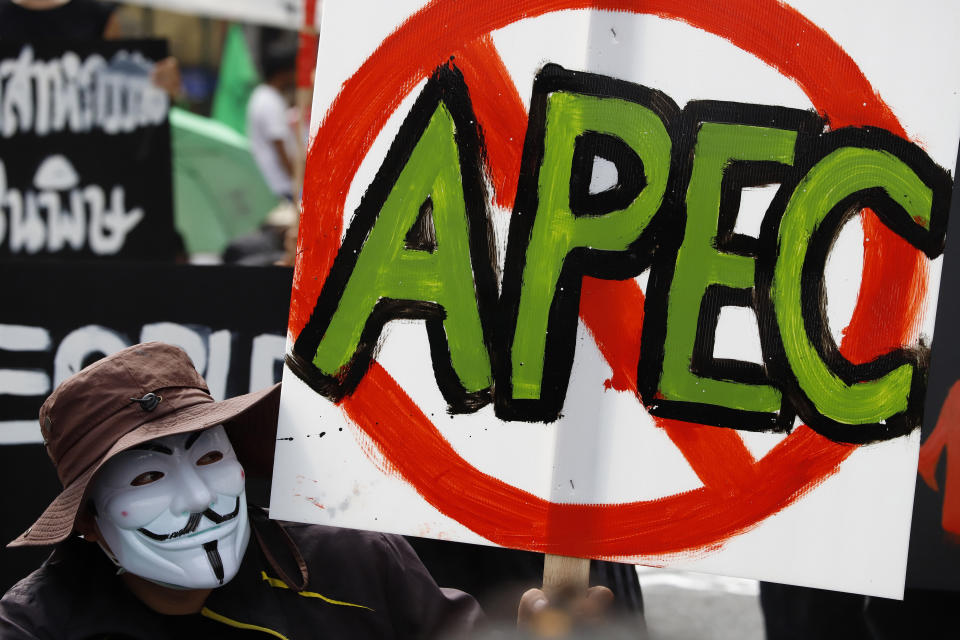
(564, 576)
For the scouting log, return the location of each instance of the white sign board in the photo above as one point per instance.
(642, 281)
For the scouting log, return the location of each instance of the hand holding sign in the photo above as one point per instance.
(547, 618)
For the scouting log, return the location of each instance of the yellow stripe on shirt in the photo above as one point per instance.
(280, 584)
(240, 625)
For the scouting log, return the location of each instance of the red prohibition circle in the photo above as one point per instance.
(738, 492)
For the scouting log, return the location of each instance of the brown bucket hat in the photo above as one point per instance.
(143, 392)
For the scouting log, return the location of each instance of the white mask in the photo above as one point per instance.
(174, 510)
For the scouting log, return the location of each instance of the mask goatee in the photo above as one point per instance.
(216, 563)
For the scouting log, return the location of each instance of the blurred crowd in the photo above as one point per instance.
(228, 78)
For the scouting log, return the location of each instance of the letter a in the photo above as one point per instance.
(417, 248)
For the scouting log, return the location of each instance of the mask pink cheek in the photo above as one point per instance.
(227, 479)
(128, 511)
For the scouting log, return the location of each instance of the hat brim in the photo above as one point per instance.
(57, 521)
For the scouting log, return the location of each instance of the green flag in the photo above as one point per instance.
(238, 77)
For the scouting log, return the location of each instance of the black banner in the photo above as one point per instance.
(231, 320)
(84, 152)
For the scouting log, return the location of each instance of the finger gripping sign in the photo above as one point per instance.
(564, 323)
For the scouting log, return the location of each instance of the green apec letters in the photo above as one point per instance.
(679, 175)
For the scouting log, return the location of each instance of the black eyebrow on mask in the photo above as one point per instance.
(193, 438)
(153, 446)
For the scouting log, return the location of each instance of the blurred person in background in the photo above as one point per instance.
(270, 243)
(271, 129)
(272, 138)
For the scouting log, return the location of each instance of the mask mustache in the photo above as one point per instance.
(192, 523)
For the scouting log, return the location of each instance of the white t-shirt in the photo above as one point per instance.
(267, 122)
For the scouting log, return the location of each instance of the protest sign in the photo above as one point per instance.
(57, 319)
(644, 281)
(84, 152)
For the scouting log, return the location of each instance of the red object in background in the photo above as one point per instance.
(309, 42)
(945, 436)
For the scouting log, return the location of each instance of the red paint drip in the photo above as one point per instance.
(737, 492)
